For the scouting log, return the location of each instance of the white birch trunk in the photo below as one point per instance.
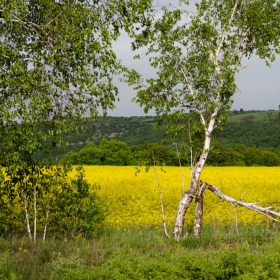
(27, 218)
(35, 214)
(46, 224)
(190, 193)
(199, 210)
(26, 210)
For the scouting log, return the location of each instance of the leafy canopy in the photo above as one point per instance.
(57, 57)
(196, 56)
(57, 63)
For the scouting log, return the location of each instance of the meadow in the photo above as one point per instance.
(133, 246)
(133, 199)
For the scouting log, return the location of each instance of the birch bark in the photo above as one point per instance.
(189, 195)
(26, 210)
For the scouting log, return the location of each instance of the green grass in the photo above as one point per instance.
(254, 253)
(257, 116)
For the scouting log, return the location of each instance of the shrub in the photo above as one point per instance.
(54, 202)
(270, 159)
(77, 209)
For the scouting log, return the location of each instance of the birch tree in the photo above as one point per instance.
(57, 57)
(196, 56)
(57, 65)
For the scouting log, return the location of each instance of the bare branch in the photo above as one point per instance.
(265, 211)
(225, 29)
(160, 198)
(52, 20)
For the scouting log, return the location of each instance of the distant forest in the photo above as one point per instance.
(260, 129)
(248, 138)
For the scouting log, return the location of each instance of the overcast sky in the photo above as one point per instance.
(258, 84)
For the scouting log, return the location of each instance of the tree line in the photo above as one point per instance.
(114, 152)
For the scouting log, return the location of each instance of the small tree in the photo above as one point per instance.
(196, 56)
(45, 201)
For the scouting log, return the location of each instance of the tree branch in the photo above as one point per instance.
(225, 29)
(265, 211)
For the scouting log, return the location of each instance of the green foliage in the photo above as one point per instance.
(57, 65)
(109, 152)
(89, 156)
(2, 175)
(222, 156)
(76, 209)
(57, 57)
(64, 206)
(238, 155)
(146, 254)
(113, 152)
(254, 156)
(261, 131)
(154, 154)
(269, 159)
(204, 49)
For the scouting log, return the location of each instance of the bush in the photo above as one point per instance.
(59, 205)
(222, 156)
(270, 159)
(154, 153)
(77, 209)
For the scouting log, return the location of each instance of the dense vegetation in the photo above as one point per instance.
(113, 152)
(249, 128)
(259, 129)
(243, 127)
(131, 130)
(249, 138)
(44, 202)
(219, 253)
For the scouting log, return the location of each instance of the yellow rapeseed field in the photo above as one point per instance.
(133, 201)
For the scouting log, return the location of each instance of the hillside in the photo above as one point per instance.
(259, 129)
(131, 130)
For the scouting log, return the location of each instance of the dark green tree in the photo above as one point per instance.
(269, 159)
(222, 156)
(150, 154)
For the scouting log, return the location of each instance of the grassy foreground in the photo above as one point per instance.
(254, 253)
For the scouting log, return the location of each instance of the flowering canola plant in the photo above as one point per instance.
(133, 200)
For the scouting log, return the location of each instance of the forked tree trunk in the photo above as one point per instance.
(199, 210)
(271, 212)
(194, 185)
(189, 195)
